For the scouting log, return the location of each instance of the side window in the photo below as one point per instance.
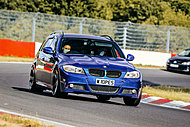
(48, 42)
(53, 43)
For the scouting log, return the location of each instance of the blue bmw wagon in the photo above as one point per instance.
(87, 64)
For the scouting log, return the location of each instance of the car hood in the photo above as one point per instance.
(87, 61)
(182, 58)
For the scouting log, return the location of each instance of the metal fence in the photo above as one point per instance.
(25, 26)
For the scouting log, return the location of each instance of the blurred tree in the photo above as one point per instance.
(137, 11)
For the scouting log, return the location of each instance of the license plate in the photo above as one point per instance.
(174, 65)
(105, 82)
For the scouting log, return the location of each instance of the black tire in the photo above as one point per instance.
(132, 101)
(56, 91)
(32, 82)
(103, 98)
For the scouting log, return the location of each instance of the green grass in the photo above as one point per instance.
(169, 92)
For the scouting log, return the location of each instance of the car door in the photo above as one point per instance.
(49, 61)
(45, 62)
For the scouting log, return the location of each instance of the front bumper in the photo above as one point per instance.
(77, 83)
(178, 67)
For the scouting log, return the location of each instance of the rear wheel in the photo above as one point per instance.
(32, 82)
(103, 98)
(132, 101)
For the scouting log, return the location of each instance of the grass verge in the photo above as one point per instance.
(149, 66)
(7, 120)
(15, 59)
(168, 92)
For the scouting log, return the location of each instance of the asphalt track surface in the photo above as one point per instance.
(157, 77)
(85, 110)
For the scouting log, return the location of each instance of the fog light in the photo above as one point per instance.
(129, 91)
(134, 91)
(77, 86)
(71, 85)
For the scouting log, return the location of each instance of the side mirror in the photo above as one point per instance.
(48, 50)
(130, 57)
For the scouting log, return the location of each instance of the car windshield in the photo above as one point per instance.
(185, 53)
(90, 47)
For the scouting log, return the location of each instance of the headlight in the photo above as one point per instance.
(186, 63)
(73, 69)
(132, 74)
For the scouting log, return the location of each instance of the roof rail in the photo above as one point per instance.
(107, 36)
(59, 31)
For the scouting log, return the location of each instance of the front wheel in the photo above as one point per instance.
(132, 101)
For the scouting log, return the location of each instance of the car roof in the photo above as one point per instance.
(70, 35)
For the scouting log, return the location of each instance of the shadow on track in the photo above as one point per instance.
(70, 97)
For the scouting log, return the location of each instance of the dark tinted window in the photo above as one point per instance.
(91, 47)
(185, 53)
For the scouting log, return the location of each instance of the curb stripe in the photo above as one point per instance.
(150, 99)
(161, 101)
(145, 96)
(165, 102)
(186, 107)
(176, 104)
